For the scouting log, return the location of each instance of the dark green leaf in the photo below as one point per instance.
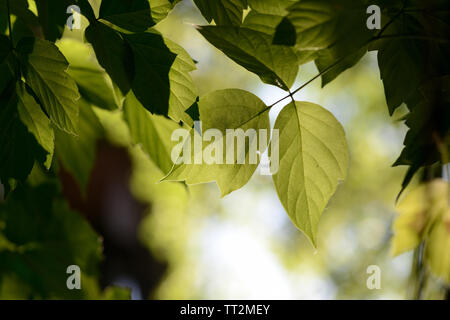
(224, 12)
(132, 15)
(18, 147)
(112, 53)
(152, 61)
(254, 51)
(275, 7)
(53, 17)
(40, 250)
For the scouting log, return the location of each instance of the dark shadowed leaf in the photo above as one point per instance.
(152, 63)
(113, 54)
(254, 51)
(223, 12)
(132, 15)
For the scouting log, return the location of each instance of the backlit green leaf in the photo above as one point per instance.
(418, 211)
(45, 73)
(78, 153)
(222, 110)
(36, 121)
(152, 132)
(276, 7)
(93, 83)
(313, 159)
(183, 92)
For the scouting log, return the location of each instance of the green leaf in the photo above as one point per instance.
(424, 215)
(222, 110)
(131, 15)
(268, 23)
(53, 17)
(417, 212)
(152, 62)
(53, 238)
(78, 153)
(161, 8)
(183, 92)
(44, 70)
(335, 29)
(93, 82)
(152, 132)
(36, 121)
(321, 23)
(313, 159)
(428, 139)
(400, 80)
(340, 60)
(224, 12)
(113, 54)
(396, 55)
(254, 51)
(5, 54)
(28, 21)
(18, 147)
(437, 248)
(275, 7)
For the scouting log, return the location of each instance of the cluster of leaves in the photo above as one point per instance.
(424, 216)
(61, 95)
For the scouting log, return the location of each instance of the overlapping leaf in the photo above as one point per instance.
(44, 237)
(254, 51)
(35, 120)
(152, 132)
(183, 92)
(268, 23)
(18, 147)
(152, 63)
(78, 153)
(44, 69)
(132, 15)
(222, 110)
(424, 215)
(93, 83)
(224, 12)
(113, 54)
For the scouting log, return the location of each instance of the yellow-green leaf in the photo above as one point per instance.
(313, 159)
(222, 110)
(418, 210)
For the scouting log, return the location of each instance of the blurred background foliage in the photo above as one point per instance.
(242, 246)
